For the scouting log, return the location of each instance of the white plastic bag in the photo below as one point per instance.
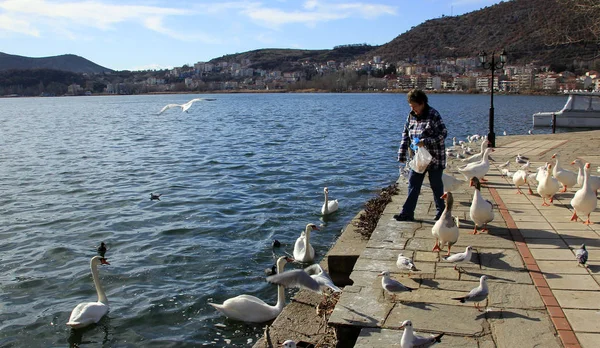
(420, 161)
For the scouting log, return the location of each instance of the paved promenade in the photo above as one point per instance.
(539, 296)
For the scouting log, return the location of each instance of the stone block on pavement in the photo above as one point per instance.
(521, 328)
(435, 317)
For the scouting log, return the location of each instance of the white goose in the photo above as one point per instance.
(482, 210)
(478, 169)
(249, 308)
(329, 206)
(584, 201)
(547, 186)
(594, 180)
(451, 183)
(520, 178)
(478, 156)
(566, 177)
(87, 313)
(303, 251)
(445, 230)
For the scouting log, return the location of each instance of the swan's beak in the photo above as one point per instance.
(315, 228)
(104, 261)
(289, 259)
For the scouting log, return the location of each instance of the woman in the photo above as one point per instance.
(425, 124)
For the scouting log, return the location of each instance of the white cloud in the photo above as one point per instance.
(315, 12)
(11, 24)
(62, 17)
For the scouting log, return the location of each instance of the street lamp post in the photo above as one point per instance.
(492, 66)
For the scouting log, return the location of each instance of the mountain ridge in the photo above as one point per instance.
(64, 62)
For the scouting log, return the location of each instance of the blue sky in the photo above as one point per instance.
(156, 34)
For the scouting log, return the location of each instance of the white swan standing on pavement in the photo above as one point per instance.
(548, 186)
(584, 201)
(593, 180)
(478, 156)
(185, 106)
(329, 206)
(87, 313)
(520, 178)
(252, 309)
(482, 210)
(303, 251)
(477, 169)
(566, 177)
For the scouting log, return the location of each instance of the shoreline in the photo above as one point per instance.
(301, 91)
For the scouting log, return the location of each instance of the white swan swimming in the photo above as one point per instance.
(303, 251)
(185, 106)
(329, 206)
(87, 313)
(584, 201)
(252, 309)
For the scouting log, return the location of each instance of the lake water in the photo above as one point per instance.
(234, 174)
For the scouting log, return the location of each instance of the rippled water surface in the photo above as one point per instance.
(234, 174)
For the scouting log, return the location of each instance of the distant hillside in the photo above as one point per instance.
(290, 59)
(553, 32)
(66, 62)
(550, 31)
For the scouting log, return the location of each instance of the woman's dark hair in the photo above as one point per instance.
(417, 96)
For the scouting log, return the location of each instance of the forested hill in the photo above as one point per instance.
(549, 31)
(289, 59)
(66, 62)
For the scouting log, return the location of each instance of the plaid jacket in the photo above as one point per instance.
(431, 130)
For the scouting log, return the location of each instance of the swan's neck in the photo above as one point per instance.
(306, 238)
(280, 290)
(101, 295)
(326, 204)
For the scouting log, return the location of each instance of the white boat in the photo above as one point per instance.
(582, 110)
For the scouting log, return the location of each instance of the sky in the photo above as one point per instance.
(158, 34)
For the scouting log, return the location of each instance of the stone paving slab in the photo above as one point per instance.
(584, 320)
(573, 282)
(372, 337)
(588, 340)
(578, 299)
(520, 328)
(428, 317)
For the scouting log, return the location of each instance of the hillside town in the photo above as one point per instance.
(457, 74)
(451, 74)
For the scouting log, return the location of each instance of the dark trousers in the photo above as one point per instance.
(415, 181)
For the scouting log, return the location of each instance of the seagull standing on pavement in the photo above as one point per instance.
(404, 262)
(582, 256)
(476, 295)
(185, 106)
(460, 257)
(391, 285)
(410, 340)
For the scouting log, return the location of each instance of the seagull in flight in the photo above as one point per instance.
(186, 106)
